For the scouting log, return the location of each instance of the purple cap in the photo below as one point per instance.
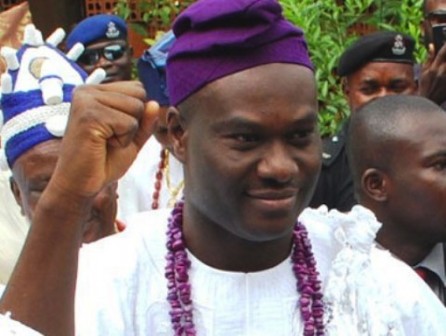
(216, 38)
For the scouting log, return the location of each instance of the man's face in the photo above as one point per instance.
(31, 174)
(378, 79)
(253, 150)
(435, 13)
(114, 56)
(417, 187)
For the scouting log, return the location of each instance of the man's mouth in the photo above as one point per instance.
(274, 200)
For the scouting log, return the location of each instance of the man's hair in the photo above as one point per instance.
(375, 125)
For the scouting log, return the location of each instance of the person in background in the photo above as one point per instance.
(155, 180)
(32, 132)
(397, 147)
(13, 225)
(251, 153)
(375, 65)
(432, 74)
(104, 37)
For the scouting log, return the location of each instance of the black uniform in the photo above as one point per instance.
(335, 185)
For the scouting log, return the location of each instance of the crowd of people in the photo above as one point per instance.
(199, 197)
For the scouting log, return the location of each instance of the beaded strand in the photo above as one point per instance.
(159, 179)
(308, 283)
(164, 171)
(179, 289)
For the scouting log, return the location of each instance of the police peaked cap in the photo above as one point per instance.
(384, 46)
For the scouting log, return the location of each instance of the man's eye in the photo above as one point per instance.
(399, 88)
(246, 137)
(368, 90)
(301, 135)
(440, 165)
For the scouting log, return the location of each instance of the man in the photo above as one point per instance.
(433, 74)
(13, 226)
(235, 234)
(375, 65)
(105, 39)
(397, 149)
(31, 140)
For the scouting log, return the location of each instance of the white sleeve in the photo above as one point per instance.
(9, 327)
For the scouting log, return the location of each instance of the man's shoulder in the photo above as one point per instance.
(333, 146)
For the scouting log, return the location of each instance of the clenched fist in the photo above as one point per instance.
(108, 125)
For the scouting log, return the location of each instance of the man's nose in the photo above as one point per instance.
(278, 163)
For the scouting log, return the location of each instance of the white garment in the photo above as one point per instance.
(13, 228)
(122, 291)
(136, 187)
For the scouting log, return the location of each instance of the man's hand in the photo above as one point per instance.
(108, 125)
(432, 84)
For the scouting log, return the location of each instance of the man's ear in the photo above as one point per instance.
(17, 193)
(177, 133)
(375, 184)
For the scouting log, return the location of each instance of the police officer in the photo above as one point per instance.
(105, 38)
(375, 65)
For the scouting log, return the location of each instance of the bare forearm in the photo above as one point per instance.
(41, 291)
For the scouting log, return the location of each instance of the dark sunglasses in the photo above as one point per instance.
(112, 52)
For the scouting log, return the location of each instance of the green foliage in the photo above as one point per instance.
(330, 26)
(152, 12)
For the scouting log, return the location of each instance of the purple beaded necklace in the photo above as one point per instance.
(179, 289)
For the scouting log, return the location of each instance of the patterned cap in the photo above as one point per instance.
(36, 92)
(384, 46)
(217, 38)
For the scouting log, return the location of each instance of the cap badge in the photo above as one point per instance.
(398, 46)
(112, 31)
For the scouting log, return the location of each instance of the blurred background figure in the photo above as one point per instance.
(13, 225)
(35, 100)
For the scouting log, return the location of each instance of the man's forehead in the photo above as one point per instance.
(383, 70)
(259, 78)
(45, 152)
(422, 131)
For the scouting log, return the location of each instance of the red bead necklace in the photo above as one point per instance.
(159, 179)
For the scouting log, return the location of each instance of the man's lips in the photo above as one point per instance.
(273, 200)
(273, 195)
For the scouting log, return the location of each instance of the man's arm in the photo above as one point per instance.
(432, 81)
(107, 127)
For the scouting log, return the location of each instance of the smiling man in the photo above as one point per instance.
(231, 258)
(105, 39)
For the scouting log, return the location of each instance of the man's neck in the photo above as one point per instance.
(408, 250)
(219, 248)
